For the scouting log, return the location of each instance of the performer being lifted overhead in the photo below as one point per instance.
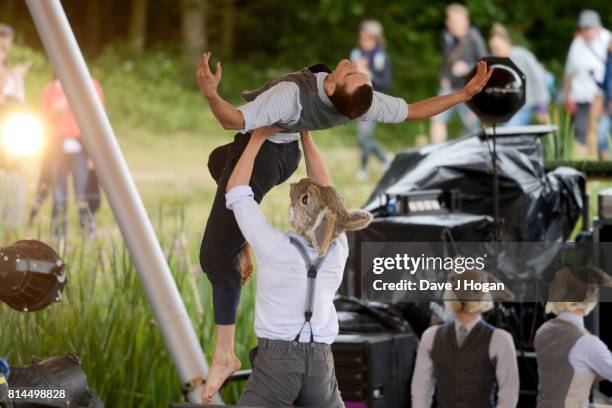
(314, 98)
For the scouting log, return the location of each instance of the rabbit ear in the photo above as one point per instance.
(321, 233)
(357, 219)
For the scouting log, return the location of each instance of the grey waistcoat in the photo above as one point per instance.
(559, 386)
(315, 114)
(465, 376)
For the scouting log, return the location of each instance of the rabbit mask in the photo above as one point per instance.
(471, 301)
(576, 288)
(318, 214)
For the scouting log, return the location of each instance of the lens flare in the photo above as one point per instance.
(22, 135)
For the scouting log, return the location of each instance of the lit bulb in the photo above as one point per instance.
(22, 135)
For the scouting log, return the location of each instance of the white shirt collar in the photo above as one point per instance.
(321, 89)
(572, 317)
(469, 326)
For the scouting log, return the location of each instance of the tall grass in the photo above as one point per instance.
(106, 320)
(560, 144)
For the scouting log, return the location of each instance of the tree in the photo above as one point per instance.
(193, 28)
(138, 24)
(227, 27)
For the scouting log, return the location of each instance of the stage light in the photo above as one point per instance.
(22, 135)
(63, 375)
(504, 93)
(32, 275)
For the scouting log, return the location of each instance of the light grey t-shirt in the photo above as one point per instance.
(281, 103)
(586, 65)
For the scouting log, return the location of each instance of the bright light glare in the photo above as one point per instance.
(22, 135)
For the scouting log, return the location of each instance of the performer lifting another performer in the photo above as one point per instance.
(313, 98)
(293, 364)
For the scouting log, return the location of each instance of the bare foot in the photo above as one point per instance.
(220, 370)
(246, 263)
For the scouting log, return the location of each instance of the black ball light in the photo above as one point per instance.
(504, 93)
(32, 275)
(501, 97)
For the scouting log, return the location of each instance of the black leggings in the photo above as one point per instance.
(223, 241)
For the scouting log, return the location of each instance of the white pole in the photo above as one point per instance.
(99, 138)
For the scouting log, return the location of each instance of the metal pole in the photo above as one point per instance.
(497, 220)
(97, 134)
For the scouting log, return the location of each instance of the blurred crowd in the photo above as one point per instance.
(585, 89)
(61, 153)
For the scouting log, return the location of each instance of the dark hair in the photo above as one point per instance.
(352, 105)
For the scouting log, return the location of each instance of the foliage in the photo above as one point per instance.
(106, 320)
(289, 35)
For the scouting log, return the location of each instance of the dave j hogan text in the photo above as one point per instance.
(426, 285)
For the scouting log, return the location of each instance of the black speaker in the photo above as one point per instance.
(374, 370)
(602, 232)
(528, 375)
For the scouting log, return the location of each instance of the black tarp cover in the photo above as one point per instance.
(534, 205)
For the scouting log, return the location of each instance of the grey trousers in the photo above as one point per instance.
(288, 374)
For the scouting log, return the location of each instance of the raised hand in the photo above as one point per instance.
(207, 81)
(264, 132)
(479, 80)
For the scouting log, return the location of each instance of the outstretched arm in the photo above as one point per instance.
(241, 175)
(432, 106)
(315, 166)
(240, 199)
(226, 114)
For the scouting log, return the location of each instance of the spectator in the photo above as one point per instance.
(372, 59)
(538, 96)
(12, 91)
(462, 47)
(72, 159)
(584, 71)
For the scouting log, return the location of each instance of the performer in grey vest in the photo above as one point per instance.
(313, 98)
(570, 359)
(464, 361)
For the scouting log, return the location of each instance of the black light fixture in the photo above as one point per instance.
(62, 374)
(32, 275)
(504, 93)
(502, 96)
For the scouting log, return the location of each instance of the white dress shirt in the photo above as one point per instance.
(589, 352)
(281, 103)
(501, 351)
(281, 276)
